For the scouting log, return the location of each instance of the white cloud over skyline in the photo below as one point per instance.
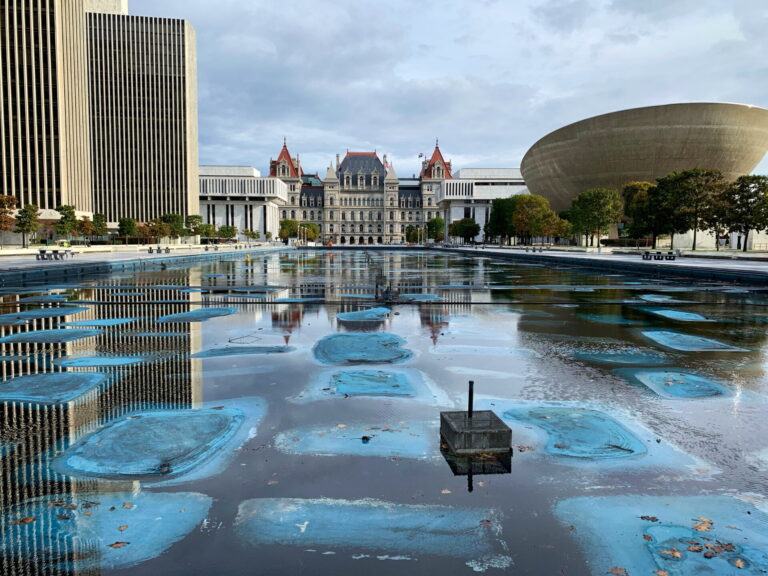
(487, 77)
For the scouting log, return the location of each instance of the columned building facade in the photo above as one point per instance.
(238, 196)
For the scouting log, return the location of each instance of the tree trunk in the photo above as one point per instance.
(738, 242)
(672, 241)
(694, 238)
(746, 235)
(653, 240)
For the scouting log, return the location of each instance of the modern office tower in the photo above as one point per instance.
(143, 98)
(98, 109)
(44, 134)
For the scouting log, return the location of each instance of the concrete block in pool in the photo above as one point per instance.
(582, 436)
(369, 315)
(413, 439)
(50, 388)
(165, 446)
(372, 528)
(87, 533)
(393, 384)
(688, 342)
(673, 383)
(674, 535)
(57, 336)
(361, 349)
(200, 315)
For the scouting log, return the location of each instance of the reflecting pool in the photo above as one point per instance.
(278, 413)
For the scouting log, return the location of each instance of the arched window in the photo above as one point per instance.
(330, 201)
(361, 181)
(370, 216)
(429, 201)
(343, 215)
(391, 215)
(402, 215)
(311, 214)
(375, 180)
(352, 215)
(362, 215)
(362, 228)
(293, 214)
(347, 181)
(285, 214)
(391, 201)
(293, 199)
(378, 215)
(304, 215)
(437, 170)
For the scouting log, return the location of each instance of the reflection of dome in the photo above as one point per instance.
(610, 150)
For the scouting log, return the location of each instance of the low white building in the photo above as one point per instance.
(238, 196)
(470, 191)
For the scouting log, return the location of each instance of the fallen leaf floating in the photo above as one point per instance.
(118, 544)
(673, 553)
(739, 563)
(128, 505)
(122, 528)
(445, 491)
(648, 537)
(616, 571)
(25, 520)
(649, 518)
(661, 573)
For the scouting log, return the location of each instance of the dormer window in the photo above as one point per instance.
(283, 170)
(361, 181)
(437, 171)
(375, 180)
(347, 181)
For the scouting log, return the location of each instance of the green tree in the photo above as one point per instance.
(594, 210)
(158, 228)
(7, 206)
(85, 227)
(436, 229)
(466, 229)
(500, 220)
(288, 229)
(207, 231)
(175, 224)
(252, 234)
(716, 216)
(311, 231)
(268, 235)
(636, 196)
(67, 224)
(411, 234)
(746, 202)
(126, 227)
(100, 225)
(697, 186)
(27, 221)
(193, 223)
(531, 216)
(228, 232)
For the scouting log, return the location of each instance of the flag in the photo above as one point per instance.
(421, 154)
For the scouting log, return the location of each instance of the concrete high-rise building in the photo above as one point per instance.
(98, 109)
(44, 135)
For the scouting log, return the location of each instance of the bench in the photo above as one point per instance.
(53, 254)
(659, 255)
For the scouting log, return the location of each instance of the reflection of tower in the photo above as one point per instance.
(435, 318)
(286, 318)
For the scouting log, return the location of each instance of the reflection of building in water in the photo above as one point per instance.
(169, 379)
(435, 318)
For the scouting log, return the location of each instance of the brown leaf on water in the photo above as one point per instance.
(123, 528)
(649, 518)
(709, 554)
(661, 573)
(616, 571)
(128, 505)
(648, 537)
(87, 513)
(486, 522)
(56, 503)
(218, 408)
(739, 563)
(25, 520)
(70, 507)
(522, 449)
(695, 548)
(445, 491)
(63, 516)
(702, 527)
(118, 544)
(671, 552)
(733, 528)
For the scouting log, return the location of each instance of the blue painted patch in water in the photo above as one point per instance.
(622, 357)
(296, 300)
(384, 530)
(79, 533)
(672, 534)
(679, 315)
(416, 440)
(661, 299)
(370, 315)
(102, 323)
(673, 383)
(200, 315)
(361, 349)
(580, 433)
(27, 315)
(419, 297)
(614, 319)
(165, 446)
(51, 388)
(688, 343)
(595, 444)
(50, 336)
(44, 299)
(102, 361)
(243, 351)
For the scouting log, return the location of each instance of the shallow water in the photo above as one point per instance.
(313, 441)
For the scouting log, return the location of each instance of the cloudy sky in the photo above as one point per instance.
(486, 77)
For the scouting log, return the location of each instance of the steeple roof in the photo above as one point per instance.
(436, 166)
(293, 164)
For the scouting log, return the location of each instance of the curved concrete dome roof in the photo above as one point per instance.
(610, 150)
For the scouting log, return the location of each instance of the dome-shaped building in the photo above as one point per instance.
(609, 150)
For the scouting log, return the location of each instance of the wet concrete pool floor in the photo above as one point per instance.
(249, 416)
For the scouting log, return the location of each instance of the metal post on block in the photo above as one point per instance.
(471, 406)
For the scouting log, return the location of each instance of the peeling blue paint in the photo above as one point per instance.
(361, 349)
(200, 315)
(81, 537)
(673, 383)
(370, 315)
(50, 388)
(372, 526)
(647, 534)
(688, 342)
